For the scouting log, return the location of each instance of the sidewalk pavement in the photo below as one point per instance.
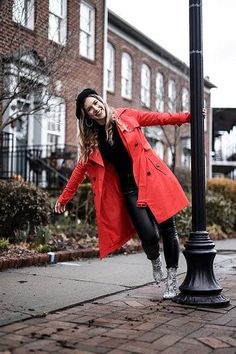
(136, 320)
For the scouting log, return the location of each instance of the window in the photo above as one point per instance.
(87, 31)
(160, 92)
(110, 68)
(186, 152)
(159, 149)
(126, 76)
(171, 96)
(57, 21)
(23, 13)
(22, 110)
(185, 100)
(145, 85)
(169, 155)
(55, 121)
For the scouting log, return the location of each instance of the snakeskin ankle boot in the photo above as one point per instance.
(157, 270)
(171, 284)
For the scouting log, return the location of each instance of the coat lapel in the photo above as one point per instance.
(96, 157)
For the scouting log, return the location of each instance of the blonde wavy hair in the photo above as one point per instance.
(88, 136)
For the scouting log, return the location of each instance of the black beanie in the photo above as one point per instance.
(81, 97)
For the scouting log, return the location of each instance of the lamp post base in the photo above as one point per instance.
(200, 286)
(202, 300)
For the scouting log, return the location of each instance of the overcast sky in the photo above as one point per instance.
(167, 23)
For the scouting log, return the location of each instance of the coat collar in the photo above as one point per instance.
(97, 157)
(128, 119)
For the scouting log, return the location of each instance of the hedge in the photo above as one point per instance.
(22, 208)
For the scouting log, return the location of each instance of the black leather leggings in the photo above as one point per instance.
(149, 231)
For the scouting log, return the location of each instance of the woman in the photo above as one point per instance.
(134, 191)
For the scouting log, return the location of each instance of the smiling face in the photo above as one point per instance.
(95, 109)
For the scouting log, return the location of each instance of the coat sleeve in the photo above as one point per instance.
(160, 118)
(75, 180)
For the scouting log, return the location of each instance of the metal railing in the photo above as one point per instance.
(47, 166)
(220, 156)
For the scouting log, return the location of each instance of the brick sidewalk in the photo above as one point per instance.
(134, 321)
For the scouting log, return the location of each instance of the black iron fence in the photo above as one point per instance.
(47, 166)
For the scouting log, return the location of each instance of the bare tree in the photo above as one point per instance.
(177, 100)
(30, 79)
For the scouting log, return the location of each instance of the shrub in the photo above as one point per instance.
(220, 211)
(184, 222)
(23, 207)
(79, 218)
(215, 232)
(42, 248)
(224, 186)
(227, 189)
(82, 205)
(220, 216)
(4, 244)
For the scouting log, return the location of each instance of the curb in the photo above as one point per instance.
(56, 257)
(64, 256)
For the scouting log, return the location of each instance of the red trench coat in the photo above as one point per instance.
(158, 188)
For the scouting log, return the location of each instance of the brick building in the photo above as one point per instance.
(66, 39)
(50, 50)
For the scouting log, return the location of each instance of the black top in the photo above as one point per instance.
(117, 155)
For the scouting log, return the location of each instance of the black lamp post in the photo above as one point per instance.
(200, 286)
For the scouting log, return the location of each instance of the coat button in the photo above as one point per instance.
(148, 173)
(158, 165)
(136, 144)
(94, 178)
